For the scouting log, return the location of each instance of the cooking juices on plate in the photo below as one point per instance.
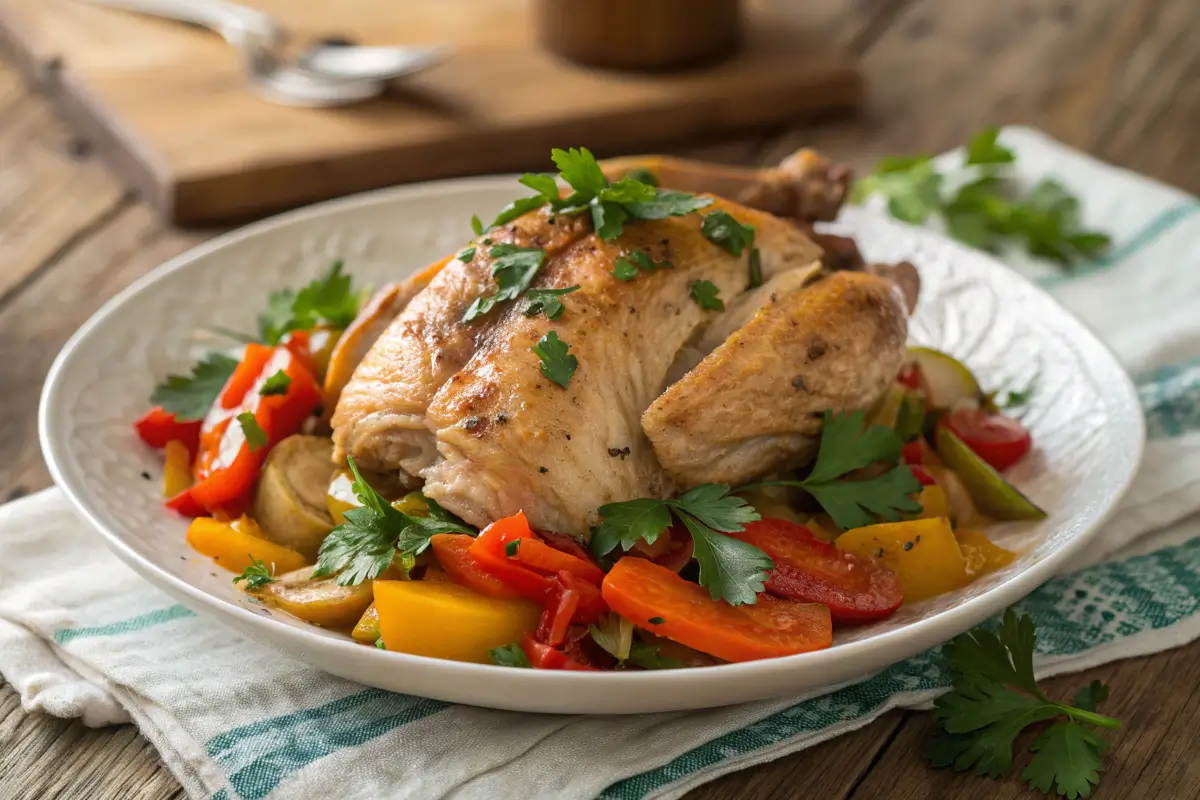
(628, 426)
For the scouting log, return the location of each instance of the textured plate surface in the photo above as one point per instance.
(1085, 420)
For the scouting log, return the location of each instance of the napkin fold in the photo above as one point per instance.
(83, 636)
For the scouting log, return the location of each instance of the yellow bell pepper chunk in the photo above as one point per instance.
(367, 629)
(922, 552)
(234, 549)
(981, 554)
(444, 620)
(177, 471)
(934, 503)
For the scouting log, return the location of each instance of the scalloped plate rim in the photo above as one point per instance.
(550, 691)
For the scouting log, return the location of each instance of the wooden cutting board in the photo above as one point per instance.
(170, 108)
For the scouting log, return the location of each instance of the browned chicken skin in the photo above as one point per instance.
(666, 395)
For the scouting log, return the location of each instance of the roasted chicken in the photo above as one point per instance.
(667, 394)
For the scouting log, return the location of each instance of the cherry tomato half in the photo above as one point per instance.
(814, 571)
(999, 440)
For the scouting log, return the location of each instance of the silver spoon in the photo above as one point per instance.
(329, 73)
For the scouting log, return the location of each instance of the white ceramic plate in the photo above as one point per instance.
(1085, 419)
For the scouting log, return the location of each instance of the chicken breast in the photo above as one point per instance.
(509, 439)
(757, 400)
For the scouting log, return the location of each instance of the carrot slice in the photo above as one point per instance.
(641, 590)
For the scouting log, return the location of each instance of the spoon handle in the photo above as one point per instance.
(234, 22)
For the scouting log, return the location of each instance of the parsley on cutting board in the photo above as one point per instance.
(988, 207)
(996, 697)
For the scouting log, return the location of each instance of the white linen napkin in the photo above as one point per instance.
(83, 636)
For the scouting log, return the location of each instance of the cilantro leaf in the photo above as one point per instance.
(1068, 759)
(705, 294)
(625, 523)
(510, 655)
(984, 149)
(725, 232)
(645, 655)
(995, 697)
(545, 301)
(729, 568)
(277, 384)
(556, 364)
(364, 545)
(190, 397)
(256, 575)
(256, 437)
(514, 268)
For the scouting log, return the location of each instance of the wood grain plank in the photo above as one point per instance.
(51, 190)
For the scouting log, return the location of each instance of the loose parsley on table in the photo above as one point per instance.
(190, 397)
(996, 696)
(988, 208)
(729, 568)
(557, 364)
(363, 546)
(256, 575)
(845, 447)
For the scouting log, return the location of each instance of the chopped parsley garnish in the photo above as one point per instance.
(379, 643)
(845, 447)
(705, 294)
(989, 207)
(256, 437)
(642, 175)
(557, 365)
(190, 397)
(363, 546)
(610, 205)
(466, 255)
(656, 620)
(476, 225)
(514, 268)
(545, 301)
(626, 267)
(256, 575)
(755, 278)
(996, 696)
(511, 548)
(725, 232)
(277, 384)
(729, 568)
(510, 655)
(327, 299)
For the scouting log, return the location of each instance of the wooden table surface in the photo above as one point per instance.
(1117, 78)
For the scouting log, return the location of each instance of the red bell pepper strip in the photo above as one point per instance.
(452, 550)
(557, 615)
(531, 551)
(158, 427)
(543, 656)
(226, 466)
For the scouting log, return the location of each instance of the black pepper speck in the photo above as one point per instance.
(543, 470)
(501, 418)
(471, 423)
(908, 545)
(145, 475)
(798, 382)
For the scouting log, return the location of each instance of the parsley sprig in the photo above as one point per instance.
(514, 268)
(844, 448)
(545, 301)
(610, 205)
(557, 364)
(988, 206)
(996, 696)
(256, 575)
(510, 655)
(705, 293)
(729, 568)
(189, 397)
(328, 299)
(363, 546)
